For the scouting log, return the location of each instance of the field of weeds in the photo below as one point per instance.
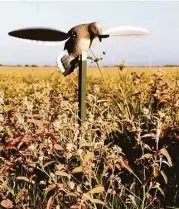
(125, 156)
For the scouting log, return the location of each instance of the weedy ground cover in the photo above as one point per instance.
(125, 156)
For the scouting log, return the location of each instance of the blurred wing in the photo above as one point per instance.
(46, 43)
(125, 32)
(45, 36)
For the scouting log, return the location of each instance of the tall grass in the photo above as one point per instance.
(125, 156)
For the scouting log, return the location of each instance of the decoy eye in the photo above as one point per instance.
(73, 34)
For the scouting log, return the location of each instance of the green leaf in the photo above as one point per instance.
(147, 147)
(105, 170)
(164, 176)
(49, 163)
(161, 191)
(23, 178)
(8, 108)
(97, 201)
(147, 155)
(62, 173)
(78, 170)
(155, 169)
(165, 153)
(95, 190)
(133, 200)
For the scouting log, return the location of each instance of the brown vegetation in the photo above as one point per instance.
(125, 156)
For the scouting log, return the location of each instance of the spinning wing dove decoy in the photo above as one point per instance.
(79, 39)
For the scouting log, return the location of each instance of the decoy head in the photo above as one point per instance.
(95, 30)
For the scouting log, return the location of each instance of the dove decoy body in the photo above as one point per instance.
(81, 38)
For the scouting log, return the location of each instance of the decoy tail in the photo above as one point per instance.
(66, 63)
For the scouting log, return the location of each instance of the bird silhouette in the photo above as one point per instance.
(81, 38)
(78, 39)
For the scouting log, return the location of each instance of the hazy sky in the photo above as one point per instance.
(161, 18)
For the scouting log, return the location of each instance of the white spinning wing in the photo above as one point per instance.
(125, 33)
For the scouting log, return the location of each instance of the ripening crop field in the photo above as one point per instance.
(124, 156)
(112, 72)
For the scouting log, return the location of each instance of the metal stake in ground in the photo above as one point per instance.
(82, 88)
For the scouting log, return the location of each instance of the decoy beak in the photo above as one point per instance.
(102, 36)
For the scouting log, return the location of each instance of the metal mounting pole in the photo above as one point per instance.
(82, 88)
